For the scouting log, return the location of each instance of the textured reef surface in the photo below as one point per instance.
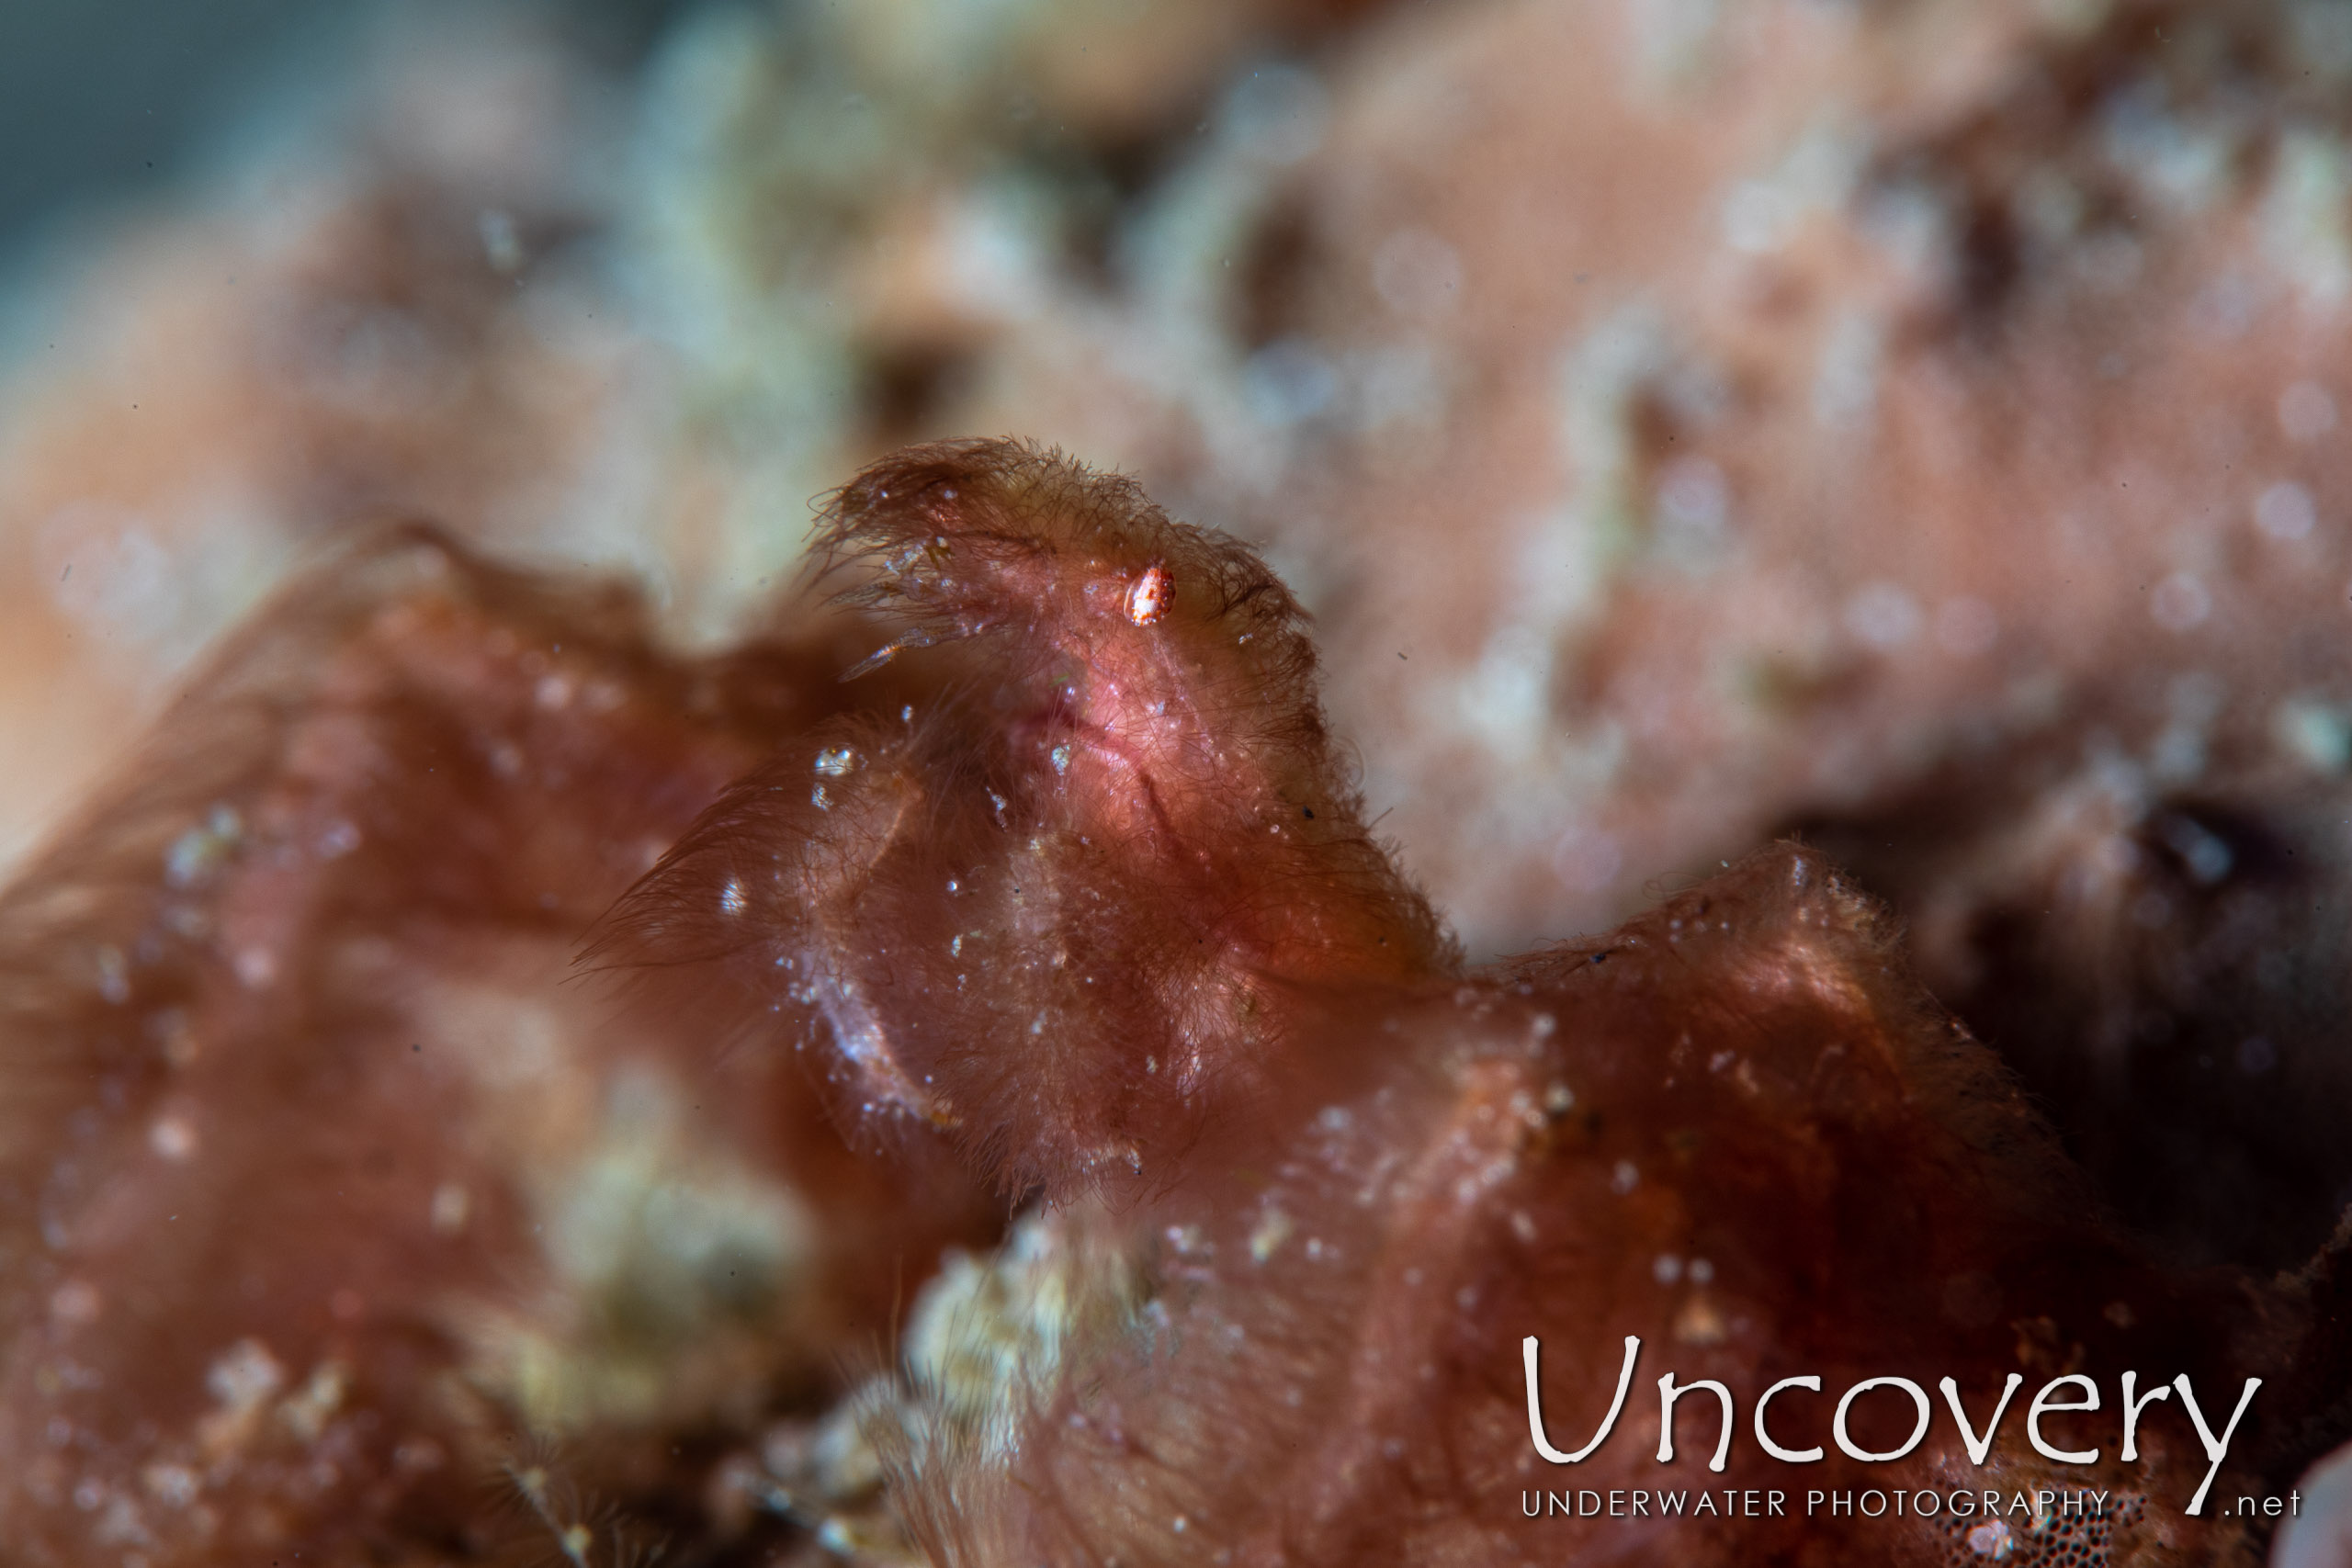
(1912, 431)
(354, 1209)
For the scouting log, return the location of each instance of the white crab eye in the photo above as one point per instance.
(1147, 599)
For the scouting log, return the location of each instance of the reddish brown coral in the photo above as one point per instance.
(297, 1085)
(325, 1193)
(1109, 915)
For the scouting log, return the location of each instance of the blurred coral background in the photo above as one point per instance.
(1917, 424)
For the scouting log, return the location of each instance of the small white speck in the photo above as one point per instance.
(2284, 511)
(114, 976)
(1625, 1178)
(501, 243)
(174, 1485)
(245, 1375)
(730, 898)
(172, 1137)
(202, 850)
(1273, 1229)
(1991, 1539)
(1882, 616)
(256, 967)
(1757, 217)
(1147, 599)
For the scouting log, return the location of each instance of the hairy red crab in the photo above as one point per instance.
(327, 1197)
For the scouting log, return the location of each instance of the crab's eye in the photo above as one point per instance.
(1147, 599)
